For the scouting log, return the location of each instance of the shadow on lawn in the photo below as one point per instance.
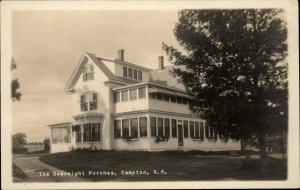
(18, 173)
(166, 165)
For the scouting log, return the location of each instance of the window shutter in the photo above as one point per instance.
(206, 130)
(84, 74)
(95, 100)
(92, 72)
(82, 97)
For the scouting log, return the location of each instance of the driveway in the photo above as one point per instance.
(37, 171)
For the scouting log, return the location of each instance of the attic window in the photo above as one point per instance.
(132, 73)
(88, 73)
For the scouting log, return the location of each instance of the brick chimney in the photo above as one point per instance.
(121, 54)
(161, 62)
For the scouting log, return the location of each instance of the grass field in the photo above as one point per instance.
(167, 165)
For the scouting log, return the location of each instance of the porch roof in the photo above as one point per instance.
(63, 124)
(88, 114)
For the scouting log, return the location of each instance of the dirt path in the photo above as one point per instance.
(37, 171)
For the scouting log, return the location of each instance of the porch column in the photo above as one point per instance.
(81, 130)
(148, 126)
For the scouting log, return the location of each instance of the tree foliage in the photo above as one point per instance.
(235, 61)
(21, 137)
(15, 85)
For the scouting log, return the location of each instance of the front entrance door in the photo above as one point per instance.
(180, 135)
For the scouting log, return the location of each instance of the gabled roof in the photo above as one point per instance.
(158, 76)
(97, 61)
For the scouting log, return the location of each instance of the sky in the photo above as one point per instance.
(47, 46)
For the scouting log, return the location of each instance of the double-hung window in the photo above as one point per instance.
(153, 126)
(135, 74)
(134, 127)
(160, 126)
(174, 128)
(143, 126)
(125, 128)
(88, 72)
(125, 72)
(167, 127)
(140, 75)
(117, 129)
(88, 101)
(142, 92)
(124, 96)
(130, 73)
(185, 129)
(61, 135)
(192, 130)
(133, 94)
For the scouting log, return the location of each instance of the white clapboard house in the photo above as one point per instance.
(118, 105)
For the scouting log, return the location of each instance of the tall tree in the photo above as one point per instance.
(21, 137)
(235, 61)
(15, 85)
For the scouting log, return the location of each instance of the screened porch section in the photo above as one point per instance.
(88, 132)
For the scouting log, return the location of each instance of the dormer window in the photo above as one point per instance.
(135, 74)
(88, 73)
(88, 101)
(140, 75)
(132, 73)
(125, 72)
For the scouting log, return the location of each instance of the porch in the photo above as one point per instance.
(84, 132)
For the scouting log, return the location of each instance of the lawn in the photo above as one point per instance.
(165, 166)
(18, 173)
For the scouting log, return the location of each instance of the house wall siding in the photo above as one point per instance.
(103, 101)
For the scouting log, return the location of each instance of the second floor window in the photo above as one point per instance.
(88, 73)
(142, 93)
(133, 95)
(88, 101)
